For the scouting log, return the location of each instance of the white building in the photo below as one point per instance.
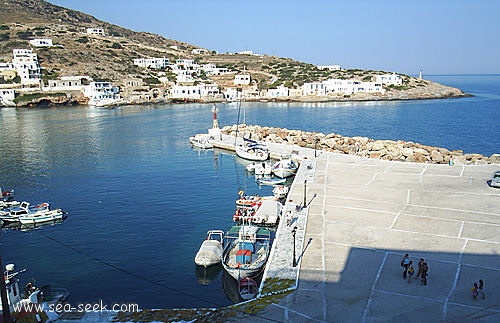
(27, 66)
(194, 92)
(154, 62)
(41, 42)
(314, 88)
(68, 83)
(280, 91)
(96, 31)
(242, 79)
(341, 87)
(7, 97)
(329, 67)
(197, 51)
(389, 79)
(101, 93)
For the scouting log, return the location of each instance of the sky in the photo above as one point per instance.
(403, 36)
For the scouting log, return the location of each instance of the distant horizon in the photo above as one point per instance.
(448, 37)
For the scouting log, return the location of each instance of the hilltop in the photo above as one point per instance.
(110, 57)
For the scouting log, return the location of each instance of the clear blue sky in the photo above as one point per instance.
(437, 36)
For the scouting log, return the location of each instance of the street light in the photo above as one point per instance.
(294, 231)
(305, 194)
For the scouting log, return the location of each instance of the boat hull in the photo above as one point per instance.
(42, 217)
(210, 253)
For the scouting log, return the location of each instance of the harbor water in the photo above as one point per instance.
(140, 199)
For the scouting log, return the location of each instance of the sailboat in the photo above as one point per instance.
(250, 149)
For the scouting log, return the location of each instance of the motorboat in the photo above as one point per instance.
(271, 181)
(263, 169)
(280, 191)
(246, 251)
(248, 288)
(268, 213)
(26, 214)
(12, 215)
(210, 252)
(201, 141)
(285, 168)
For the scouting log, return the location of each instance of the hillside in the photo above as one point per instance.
(110, 57)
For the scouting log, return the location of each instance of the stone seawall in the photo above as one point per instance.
(361, 146)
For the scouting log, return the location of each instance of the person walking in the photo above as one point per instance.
(405, 262)
(481, 289)
(475, 291)
(420, 267)
(411, 271)
(425, 273)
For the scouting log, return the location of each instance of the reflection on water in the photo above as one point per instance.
(206, 275)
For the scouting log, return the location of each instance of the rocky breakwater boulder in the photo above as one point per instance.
(361, 146)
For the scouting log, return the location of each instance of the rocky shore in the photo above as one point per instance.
(362, 146)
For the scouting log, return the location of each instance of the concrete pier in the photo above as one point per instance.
(361, 216)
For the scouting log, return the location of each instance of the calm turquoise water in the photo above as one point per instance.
(140, 199)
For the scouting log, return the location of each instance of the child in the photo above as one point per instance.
(410, 272)
(475, 291)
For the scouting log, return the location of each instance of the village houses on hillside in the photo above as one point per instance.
(191, 81)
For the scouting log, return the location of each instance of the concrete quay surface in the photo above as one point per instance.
(362, 216)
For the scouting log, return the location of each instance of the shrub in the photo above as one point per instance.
(83, 40)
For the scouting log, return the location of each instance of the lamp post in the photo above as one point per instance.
(315, 144)
(294, 231)
(305, 193)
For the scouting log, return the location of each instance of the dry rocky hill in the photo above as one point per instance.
(111, 57)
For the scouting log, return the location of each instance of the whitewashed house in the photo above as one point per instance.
(314, 88)
(27, 66)
(329, 67)
(187, 64)
(101, 93)
(155, 62)
(280, 91)
(7, 97)
(67, 83)
(242, 79)
(198, 51)
(41, 42)
(96, 31)
(389, 79)
(194, 92)
(232, 94)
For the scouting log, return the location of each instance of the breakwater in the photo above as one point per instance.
(361, 146)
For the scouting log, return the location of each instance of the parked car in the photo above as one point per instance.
(495, 179)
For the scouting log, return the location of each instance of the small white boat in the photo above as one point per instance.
(268, 213)
(41, 213)
(263, 168)
(248, 288)
(210, 252)
(201, 141)
(285, 168)
(247, 252)
(280, 191)
(12, 214)
(271, 181)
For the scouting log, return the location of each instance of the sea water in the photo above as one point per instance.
(140, 199)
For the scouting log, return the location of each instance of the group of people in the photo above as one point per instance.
(478, 290)
(409, 270)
